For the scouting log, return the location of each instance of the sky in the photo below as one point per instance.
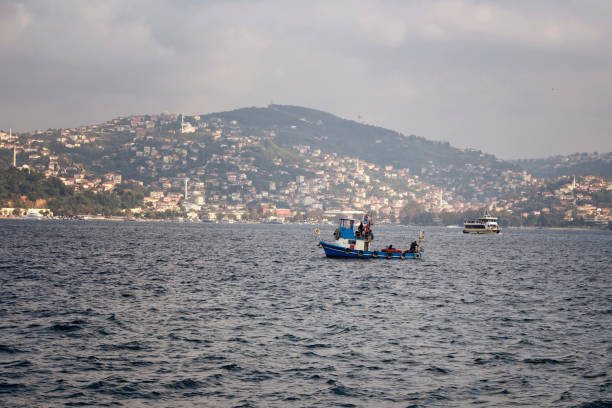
(518, 79)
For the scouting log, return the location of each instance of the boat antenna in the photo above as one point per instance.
(317, 232)
(421, 239)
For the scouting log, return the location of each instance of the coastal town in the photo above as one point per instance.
(211, 169)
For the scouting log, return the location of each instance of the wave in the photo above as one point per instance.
(183, 384)
(551, 361)
(9, 349)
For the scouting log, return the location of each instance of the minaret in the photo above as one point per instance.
(186, 180)
(574, 191)
(14, 147)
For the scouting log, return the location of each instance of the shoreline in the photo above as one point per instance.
(131, 219)
(561, 228)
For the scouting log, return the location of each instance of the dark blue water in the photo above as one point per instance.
(137, 314)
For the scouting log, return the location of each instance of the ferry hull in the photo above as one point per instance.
(336, 251)
(481, 231)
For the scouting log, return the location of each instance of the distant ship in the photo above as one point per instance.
(486, 224)
(33, 215)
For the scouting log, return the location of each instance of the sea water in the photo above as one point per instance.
(161, 314)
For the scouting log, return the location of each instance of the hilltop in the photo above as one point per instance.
(579, 164)
(294, 125)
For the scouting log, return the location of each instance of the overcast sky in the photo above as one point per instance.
(518, 79)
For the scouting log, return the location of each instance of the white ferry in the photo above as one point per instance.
(486, 224)
(33, 215)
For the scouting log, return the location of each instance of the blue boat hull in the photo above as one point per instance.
(335, 251)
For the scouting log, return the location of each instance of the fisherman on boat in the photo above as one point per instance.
(366, 229)
(360, 230)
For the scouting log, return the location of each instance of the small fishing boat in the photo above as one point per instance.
(486, 224)
(351, 243)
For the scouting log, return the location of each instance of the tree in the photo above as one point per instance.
(411, 212)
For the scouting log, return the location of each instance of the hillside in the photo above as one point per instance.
(438, 163)
(579, 164)
(293, 158)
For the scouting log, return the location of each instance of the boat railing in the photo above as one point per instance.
(480, 221)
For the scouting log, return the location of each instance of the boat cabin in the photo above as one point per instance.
(485, 219)
(347, 237)
(346, 228)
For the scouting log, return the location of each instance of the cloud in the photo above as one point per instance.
(505, 22)
(454, 70)
(14, 20)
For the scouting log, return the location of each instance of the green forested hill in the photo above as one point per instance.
(23, 189)
(15, 185)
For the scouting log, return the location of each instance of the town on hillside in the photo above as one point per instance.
(213, 169)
